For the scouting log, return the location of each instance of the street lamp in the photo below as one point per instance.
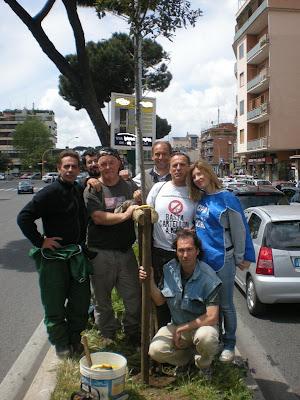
(43, 159)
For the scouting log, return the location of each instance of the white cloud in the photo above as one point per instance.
(201, 63)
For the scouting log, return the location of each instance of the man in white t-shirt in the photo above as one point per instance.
(176, 211)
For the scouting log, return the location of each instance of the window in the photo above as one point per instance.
(242, 79)
(241, 51)
(242, 107)
(242, 136)
(254, 224)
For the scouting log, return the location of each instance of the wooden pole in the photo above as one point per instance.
(146, 297)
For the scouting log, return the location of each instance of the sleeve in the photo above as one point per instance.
(137, 180)
(213, 299)
(153, 193)
(27, 217)
(93, 201)
(240, 233)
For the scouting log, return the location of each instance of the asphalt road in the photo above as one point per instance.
(272, 346)
(20, 308)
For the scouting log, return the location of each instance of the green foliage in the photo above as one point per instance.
(4, 161)
(112, 69)
(158, 17)
(32, 138)
(162, 127)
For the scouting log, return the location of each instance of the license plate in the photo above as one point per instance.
(296, 262)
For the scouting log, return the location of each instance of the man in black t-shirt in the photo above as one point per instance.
(111, 235)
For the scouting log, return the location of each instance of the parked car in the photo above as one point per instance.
(50, 177)
(275, 276)
(292, 193)
(35, 175)
(81, 176)
(2, 176)
(25, 175)
(251, 196)
(25, 186)
(280, 184)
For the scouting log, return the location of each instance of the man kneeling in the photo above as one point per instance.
(190, 288)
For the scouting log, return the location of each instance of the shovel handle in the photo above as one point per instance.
(86, 351)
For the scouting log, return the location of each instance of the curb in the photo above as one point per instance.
(45, 380)
(22, 372)
(249, 380)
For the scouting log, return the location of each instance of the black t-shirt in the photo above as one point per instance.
(111, 237)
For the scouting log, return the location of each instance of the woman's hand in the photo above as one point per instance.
(244, 265)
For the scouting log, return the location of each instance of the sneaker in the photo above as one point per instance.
(227, 356)
(203, 361)
(63, 351)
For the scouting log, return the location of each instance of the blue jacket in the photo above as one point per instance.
(189, 303)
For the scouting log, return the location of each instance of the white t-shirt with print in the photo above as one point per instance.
(175, 211)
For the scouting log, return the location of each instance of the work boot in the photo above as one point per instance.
(62, 351)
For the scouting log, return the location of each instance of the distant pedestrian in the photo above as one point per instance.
(111, 236)
(63, 268)
(223, 230)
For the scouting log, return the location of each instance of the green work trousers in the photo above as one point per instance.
(66, 302)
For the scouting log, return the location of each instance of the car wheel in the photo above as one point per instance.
(19, 192)
(254, 305)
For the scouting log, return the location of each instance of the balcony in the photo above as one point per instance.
(252, 25)
(259, 114)
(259, 52)
(235, 69)
(257, 144)
(260, 83)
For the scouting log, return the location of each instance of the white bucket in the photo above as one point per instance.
(110, 383)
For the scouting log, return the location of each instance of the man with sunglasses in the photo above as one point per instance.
(111, 235)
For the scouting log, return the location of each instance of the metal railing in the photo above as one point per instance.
(260, 143)
(256, 112)
(249, 21)
(264, 74)
(262, 41)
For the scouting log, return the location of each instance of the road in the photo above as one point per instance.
(20, 308)
(272, 346)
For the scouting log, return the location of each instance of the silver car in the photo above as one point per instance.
(275, 276)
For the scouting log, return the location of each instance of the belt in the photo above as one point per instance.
(229, 248)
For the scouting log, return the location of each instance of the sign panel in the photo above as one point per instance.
(122, 128)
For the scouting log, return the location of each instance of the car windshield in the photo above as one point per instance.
(262, 199)
(283, 235)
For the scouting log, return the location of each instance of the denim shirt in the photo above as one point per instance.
(189, 303)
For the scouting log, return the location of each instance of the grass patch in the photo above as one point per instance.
(226, 382)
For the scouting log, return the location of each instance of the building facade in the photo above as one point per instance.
(267, 49)
(188, 144)
(10, 119)
(217, 147)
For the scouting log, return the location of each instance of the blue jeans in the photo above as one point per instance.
(227, 308)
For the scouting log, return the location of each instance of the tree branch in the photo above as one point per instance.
(45, 43)
(44, 11)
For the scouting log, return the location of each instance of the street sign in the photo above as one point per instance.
(123, 135)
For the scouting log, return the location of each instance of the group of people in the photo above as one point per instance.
(200, 238)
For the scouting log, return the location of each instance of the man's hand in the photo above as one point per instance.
(137, 196)
(244, 265)
(128, 213)
(94, 183)
(51, 243)
(177, 337)
(143, 274)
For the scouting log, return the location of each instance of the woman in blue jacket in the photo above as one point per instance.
(221, 226)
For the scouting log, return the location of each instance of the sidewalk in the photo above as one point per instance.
(45, 380)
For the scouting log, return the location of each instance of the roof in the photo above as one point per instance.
(280, 213)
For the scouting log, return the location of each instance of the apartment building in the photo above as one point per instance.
(10, 119)
(188, 144)
(218, 147)
(267, 49)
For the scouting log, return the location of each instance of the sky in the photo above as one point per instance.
(202, 65)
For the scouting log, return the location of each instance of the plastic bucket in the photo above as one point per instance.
(110, 383)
